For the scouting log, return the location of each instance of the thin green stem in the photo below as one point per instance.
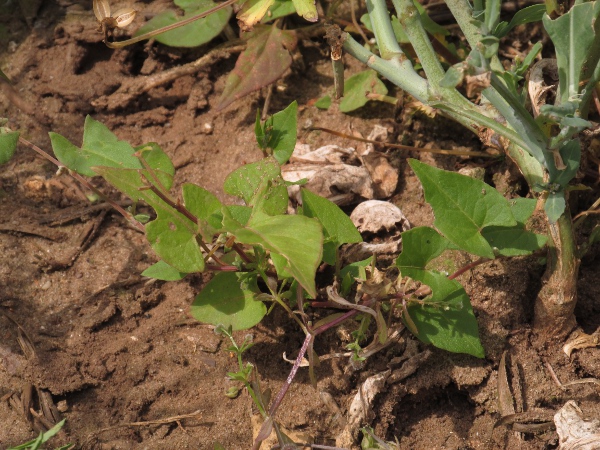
(463, 14)
(382, 29)
(398, 70)
(411, 23)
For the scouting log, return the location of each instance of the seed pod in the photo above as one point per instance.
(124, 17)
(101, 9)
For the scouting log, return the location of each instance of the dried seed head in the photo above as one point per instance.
(101, 9)
(124, 17)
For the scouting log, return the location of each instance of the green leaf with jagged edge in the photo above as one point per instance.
(260, 185)
(463, 206)
(279, 133)
(206, 207)
(229, 299)
(265, 59)
(338, 229)
(194, 34)
(516, 241)
(8, 145)
(162, 271)
(576, 38)
(529, 14)
(172, 235)
(356, 88)
(298, 240)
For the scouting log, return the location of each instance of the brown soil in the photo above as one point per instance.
(113, 348)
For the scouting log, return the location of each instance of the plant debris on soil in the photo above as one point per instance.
(83, 336)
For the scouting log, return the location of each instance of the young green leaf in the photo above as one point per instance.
(555, 205)
(100, 148)
(8, 145)
(357, 87)
(338, 229)
(570, 152)
(516, 241)
(172, 235)
(159, 161)
(306, 9)
(230, 301)
(282, 133)
(162, 271)
(42, 438)
(351, 273)
(297, 239)
(260, 185)
(323, 102)
(454, 76)
(266, 58)
(194, 34)
(241, 214)
(463, 206)
(206, 207)
(252, 12)
(445, 320)
(421, 245)
(533, 13)
(279, 8)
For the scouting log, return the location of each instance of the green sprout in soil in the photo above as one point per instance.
(36, 444)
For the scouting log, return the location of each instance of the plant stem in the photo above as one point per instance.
(398, 69)
(555, 303)
(288, 382)
(383, 31)
(463, 14)
(307, 340)
(409, 18)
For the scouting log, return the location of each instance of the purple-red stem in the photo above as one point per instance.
(467, 267)
(309, 337)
